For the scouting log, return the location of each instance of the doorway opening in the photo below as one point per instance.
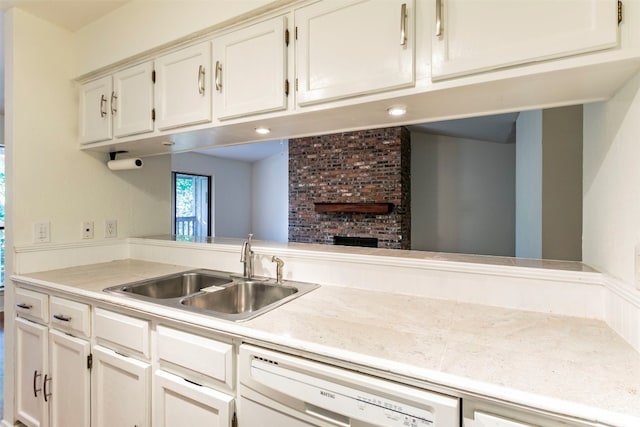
(191, 205)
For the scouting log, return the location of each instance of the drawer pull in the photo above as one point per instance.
(62, 317)
(24, 306)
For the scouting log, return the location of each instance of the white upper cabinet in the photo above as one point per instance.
(346, 48)
(183, 87)
(478, 35)
(132, 100)
(95, 111)
(117, 105)
(250, 68)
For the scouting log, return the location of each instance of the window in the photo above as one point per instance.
(191, 201)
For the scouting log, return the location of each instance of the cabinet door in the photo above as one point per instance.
(485, 34)
(119, 390)
(31, 362)
(95, 110)
(179, 403)
(346, 48)
(250, 70)
(70, 380)
(183, 88)
(132, 102)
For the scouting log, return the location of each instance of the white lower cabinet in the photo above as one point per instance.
(31, 362)
(70, 381)
(52, 374)
(178, 402)
(120, 390)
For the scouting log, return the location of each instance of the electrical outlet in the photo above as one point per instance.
(41, 232)
(110, 228)
(87, 230)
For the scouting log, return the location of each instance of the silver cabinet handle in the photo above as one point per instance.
(62, 317)
(218, 76)
(403, 25)
(35, 379)
(24, 306)
(103, 106)
(114, 103)
(201, 80)
(438, 18)
(45, 394)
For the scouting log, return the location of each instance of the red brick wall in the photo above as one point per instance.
(355, 167)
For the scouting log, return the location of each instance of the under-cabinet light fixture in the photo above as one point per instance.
(263, 130)
(397, 110)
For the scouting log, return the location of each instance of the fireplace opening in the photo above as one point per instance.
(367, 242)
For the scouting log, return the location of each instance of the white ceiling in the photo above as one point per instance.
(69, 14)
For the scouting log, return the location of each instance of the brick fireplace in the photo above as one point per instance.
(354, 184)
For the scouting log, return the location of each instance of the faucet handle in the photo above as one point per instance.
(279, 267)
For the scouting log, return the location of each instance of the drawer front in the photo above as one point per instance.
(33, 305)
(205, 356)
(122, 332)
(71, 316)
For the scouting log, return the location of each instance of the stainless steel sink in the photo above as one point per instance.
(175, 286)
(243, 297)
(214, 293)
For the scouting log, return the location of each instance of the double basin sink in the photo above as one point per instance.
(214, 293)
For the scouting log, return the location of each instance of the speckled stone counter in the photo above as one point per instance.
(573, 366)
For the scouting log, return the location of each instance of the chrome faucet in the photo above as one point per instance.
(246, 257)
(279, 267)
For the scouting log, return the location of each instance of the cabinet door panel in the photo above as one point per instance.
(480, 35)
(346, 48)
(95, 111)
(31, 365)
(252, 69)
(179, 403)
(133, 93)
(183, 87)
(70, 380)
(119, 390)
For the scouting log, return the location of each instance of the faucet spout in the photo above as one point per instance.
(246, 257)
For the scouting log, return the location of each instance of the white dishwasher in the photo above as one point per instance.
(280, 390)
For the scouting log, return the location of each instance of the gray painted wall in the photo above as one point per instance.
(462, 195)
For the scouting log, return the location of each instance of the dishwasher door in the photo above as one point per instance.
(281, 390)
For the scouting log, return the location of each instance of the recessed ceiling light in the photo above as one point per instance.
(263, 130)
(397, 110)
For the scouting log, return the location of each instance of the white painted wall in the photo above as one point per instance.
(52, 180)
(462, 195)
(529, 184)
(142, 25)
(611, 224)
(231, 185)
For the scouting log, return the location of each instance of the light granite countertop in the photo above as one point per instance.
(567, 365)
